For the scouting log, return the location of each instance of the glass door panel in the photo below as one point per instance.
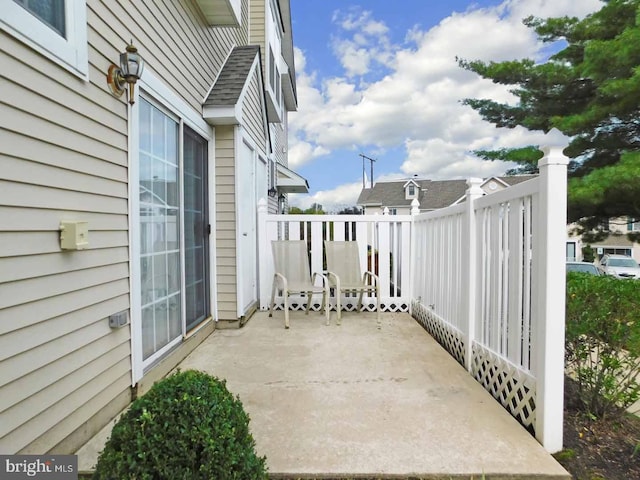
(196, 228)
(159, 229)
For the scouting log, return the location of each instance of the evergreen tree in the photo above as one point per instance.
(589, 90)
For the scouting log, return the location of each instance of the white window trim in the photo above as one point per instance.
(71, 53)
(160, 95)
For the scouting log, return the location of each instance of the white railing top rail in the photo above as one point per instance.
(524, 189)
(338, 218)
(440, 213)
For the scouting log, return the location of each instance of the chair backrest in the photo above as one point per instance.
(343, 259)
(290, 258)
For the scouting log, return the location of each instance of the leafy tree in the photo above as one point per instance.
(589, 90)
(314, 209)
(350, 211)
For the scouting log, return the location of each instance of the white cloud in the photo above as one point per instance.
(369, 42)
(332, 201)
(301, 152)
(415, 101)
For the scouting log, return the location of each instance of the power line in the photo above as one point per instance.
(371, 160)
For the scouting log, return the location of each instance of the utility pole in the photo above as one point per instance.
(371, 160)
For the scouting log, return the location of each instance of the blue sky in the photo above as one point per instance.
(380, 78)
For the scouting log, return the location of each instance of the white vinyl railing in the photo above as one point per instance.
(485, 277)
(384, 245)
(489, 285)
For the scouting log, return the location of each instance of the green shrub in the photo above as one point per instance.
(603, 341)
(588, 253)
(188, 426)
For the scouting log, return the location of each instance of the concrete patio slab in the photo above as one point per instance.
(354, 401)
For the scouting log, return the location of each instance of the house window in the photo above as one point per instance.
(278, 89)
(50, 12)
(633, 225)
(272, 174)
(272, 70)
(614, 251)
(173, 229)
(55, 28)
(571, 251)
(412, 190)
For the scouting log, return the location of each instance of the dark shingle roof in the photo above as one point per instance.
(516, 179)
(433, 194)
(438, 194)
(232, 78)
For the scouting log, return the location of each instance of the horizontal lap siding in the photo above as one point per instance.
(173, 39)
(252, 114)
(226, 223)
(63, 156)
(257, 31)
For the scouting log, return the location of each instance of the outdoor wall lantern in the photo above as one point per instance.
(272, 192)
(129, 72)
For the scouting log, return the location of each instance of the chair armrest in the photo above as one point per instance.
(336, 280)
(325, 281)
(278, 276)
(371, 275)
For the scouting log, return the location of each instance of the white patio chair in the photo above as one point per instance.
(346, 276)
(292, 276)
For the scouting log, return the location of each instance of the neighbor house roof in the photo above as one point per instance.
(512, 180)
(433, 194)
(612, 240)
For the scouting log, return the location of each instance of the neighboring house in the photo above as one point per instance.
(616, 243)
(205, 139)
(434, 194)
(431, 194)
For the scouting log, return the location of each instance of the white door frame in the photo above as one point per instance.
(159, 93)
(240, 139)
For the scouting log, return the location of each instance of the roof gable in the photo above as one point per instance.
(433, 194)
(223, 103)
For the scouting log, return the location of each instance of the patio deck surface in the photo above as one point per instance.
(354, 401)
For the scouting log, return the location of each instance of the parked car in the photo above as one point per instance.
(619, 266)
(583, 267)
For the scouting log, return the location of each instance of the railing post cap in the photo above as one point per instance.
(474, 186)
(472, 181)
(262, 205)
(385, 211)
(415, 206)
(555, 143)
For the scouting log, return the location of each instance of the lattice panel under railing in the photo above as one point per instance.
(445, 334)
(349, 304)
(512, 387)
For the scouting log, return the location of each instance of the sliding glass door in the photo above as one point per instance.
(174, 283)
(196, 228)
